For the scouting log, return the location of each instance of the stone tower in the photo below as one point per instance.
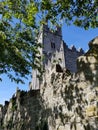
(52, 51)
(55, 51)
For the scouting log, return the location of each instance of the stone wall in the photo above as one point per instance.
(70, 103)
(22, 112)
(71, 55)
(65, 101)
(71, 100)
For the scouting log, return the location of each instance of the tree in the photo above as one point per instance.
(19, 26)
(82, 13)
(18, 46)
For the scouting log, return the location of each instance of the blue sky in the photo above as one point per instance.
(72, 36)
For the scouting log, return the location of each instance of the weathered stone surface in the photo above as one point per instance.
(23, 111)
(91, 111)
(94, 42)
(88, 64)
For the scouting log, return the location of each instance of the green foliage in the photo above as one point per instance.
(19, 26)
(82, 13)
(14, 104)
(18, 45)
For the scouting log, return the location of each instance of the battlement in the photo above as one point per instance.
(73, 48)
(58, 30)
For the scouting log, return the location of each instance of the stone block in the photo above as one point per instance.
(61, 128)
(91, 111)
(91, 97)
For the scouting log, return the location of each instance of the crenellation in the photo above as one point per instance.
(73, 48)
(6, 103)
(55, 33)
(58, 31)
(81, 51)
(45, 28)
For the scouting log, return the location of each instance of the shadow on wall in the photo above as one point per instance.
(88, 64)
(23, 112)
(73, 109)
(66, 85)
(73, 98)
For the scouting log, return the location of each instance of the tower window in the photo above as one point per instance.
(52, 45)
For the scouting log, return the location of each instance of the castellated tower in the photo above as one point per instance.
(54, 51)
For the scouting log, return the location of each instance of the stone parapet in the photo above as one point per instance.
(88, 64)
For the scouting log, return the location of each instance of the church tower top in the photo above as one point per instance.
(58, 30)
